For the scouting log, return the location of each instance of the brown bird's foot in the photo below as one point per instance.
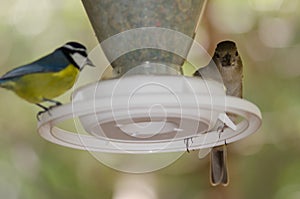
(187, 142)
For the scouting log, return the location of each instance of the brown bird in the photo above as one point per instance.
(230, 67)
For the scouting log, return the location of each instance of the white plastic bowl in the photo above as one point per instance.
(142, 114)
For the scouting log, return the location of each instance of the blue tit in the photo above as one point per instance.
(49, 76)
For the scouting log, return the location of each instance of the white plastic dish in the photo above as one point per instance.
(149, 114)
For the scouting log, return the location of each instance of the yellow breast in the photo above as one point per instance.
(39, 86)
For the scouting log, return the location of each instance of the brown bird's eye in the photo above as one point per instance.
(236, 53)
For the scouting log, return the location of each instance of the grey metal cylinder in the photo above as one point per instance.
(111, 17)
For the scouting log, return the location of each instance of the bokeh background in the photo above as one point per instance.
(264, 165)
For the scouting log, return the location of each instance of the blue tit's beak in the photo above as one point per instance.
(89, 62)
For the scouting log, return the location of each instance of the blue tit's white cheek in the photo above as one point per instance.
(79, 59)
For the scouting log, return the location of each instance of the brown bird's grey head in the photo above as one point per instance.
(227, 54)
(229, 63)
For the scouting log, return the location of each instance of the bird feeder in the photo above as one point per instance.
(149, 106)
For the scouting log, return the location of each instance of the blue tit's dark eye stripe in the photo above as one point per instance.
(74, 47)
(83, 53)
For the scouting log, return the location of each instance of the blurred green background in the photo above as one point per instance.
(264, 165)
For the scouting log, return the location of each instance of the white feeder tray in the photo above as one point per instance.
(149, 114)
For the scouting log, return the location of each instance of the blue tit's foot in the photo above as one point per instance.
(41, 112)
(53, 106)
(47, 109)
(56, 103)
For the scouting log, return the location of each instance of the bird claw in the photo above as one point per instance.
(187, 142)
(47, 109)
(39, 114)
(53, 106)
(42, 112)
